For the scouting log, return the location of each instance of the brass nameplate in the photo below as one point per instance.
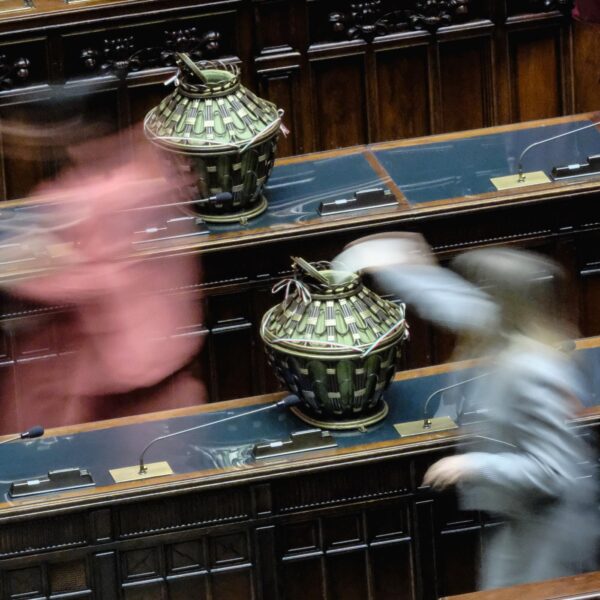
(133, 473)
(513, 181)
(418, 427)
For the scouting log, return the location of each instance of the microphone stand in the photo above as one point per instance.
(521, 175)
(431, 424)
(427, 420)
(289, 401)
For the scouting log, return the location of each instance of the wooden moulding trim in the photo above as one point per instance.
(464, 31)
(315, 156)
(470, 133)
(531, 20)
(386, 178)
(401, 39)
(339, 49)
(577, 587)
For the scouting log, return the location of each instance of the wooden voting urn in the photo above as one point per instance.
(223, 132)
(334, 343)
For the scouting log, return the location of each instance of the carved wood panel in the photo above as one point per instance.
(345, 73)
(536, 66)
(586, 59)
(339, 92)
(282, 86)
(403, 89)
(466, 93)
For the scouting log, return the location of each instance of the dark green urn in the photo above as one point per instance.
(334, 343)
(223, 133)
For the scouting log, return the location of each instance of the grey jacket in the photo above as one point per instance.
(537, 472)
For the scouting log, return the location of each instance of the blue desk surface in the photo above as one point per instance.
(425, 172)
(463, 167)
(230, 444)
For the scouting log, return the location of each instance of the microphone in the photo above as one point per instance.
(426, 419)
(219, 198)
(520, 174)
(34, 432)
(288, 401)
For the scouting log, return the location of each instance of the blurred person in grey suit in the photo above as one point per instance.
(532, 469)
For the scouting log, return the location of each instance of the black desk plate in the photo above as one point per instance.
(299, 441)
(55, 481)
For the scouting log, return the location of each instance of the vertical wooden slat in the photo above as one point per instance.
(106, 579)
(402, 93)
(339, 90)
(266, 563)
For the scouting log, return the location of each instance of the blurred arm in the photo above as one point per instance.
(544, 464)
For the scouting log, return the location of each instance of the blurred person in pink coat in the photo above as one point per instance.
(132, 328)
(587, 11)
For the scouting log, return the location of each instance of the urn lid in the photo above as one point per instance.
(331, 312)
(210, 111)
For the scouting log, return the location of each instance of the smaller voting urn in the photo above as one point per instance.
(334, 343)
(224, 134)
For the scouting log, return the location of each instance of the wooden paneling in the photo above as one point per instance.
(402, 93)
(275, 26)
(392, 572)
(586, 59)
(339, 93)
(342, 76)
(536, 74)
(25, 162)
(465, 84)
(144, 96)
(458, 571)
(306, 570)
(281, 86)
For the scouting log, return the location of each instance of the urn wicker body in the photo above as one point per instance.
(335, 344)
(222, 132)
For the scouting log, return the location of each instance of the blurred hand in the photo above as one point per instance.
(384, 250)
(448, 471)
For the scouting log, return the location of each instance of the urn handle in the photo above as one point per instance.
(310, 270)
(192, 66)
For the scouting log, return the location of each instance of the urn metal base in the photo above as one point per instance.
(366, 419)
(238, 217)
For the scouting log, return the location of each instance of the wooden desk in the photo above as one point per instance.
(579, 587)
(352, 522)
(445, 195)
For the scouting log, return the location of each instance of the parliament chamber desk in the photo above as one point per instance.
(441, 188)
(351, 522)
(578, 587)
